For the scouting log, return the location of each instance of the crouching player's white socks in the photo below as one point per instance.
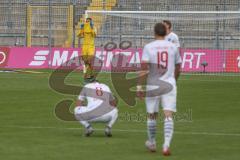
(152, 128)
(85, 124)
(114, 118)
(168, 131)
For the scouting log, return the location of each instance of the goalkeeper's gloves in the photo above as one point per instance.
(91, 24)
(82, 26)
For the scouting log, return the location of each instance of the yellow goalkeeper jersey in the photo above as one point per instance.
(88, 34)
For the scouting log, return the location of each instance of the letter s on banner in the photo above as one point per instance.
(39, 58)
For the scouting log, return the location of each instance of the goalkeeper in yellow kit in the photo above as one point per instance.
(88, 33)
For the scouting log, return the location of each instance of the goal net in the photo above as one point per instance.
(210, 40)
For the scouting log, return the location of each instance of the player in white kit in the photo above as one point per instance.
(171, 36)
(101, 107)
(161, 61)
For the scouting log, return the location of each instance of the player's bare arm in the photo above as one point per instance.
(177, 71)
(142, 75)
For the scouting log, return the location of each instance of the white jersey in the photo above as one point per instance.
(162, 56)
(172, 37)
(95, 93)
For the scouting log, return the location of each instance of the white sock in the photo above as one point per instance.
(113, 119)
(168, 131)
(85, 123)
(152, 127)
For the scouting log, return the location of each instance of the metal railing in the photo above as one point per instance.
(53, 22)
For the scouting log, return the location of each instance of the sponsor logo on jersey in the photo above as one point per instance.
(99, 91)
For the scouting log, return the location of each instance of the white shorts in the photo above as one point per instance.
(104, 118)
(168, 101)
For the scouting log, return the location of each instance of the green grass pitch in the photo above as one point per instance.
(29, 130)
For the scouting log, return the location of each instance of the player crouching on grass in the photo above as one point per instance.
(161, 62)
(101, 106)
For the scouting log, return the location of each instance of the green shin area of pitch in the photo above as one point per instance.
(207, 126)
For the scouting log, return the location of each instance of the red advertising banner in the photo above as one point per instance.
(233, 61)
(4, 52)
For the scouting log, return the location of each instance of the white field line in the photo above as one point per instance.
(212, 80)
(183, 73)
(182, 79)
(125, 130)
(212, 74)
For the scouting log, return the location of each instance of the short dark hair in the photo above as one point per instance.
(89, 18)
(168, 23)
(160, 29)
